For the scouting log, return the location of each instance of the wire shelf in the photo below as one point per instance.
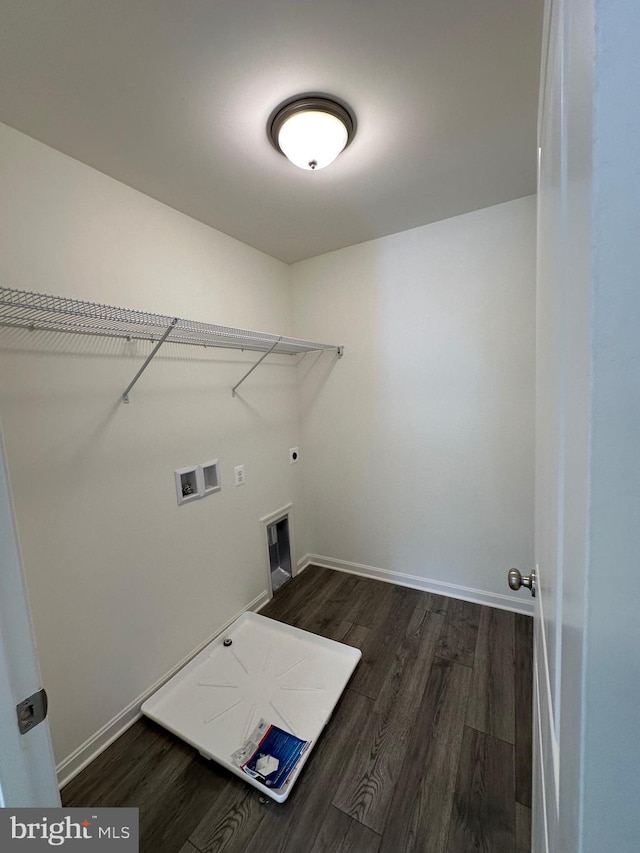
(59, 314)
(23, 309)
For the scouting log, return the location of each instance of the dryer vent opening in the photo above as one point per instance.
(279, 553)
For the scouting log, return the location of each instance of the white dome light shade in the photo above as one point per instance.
(311, 131)
(312, 140)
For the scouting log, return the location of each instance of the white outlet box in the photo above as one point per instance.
(238, 475)
(294, 455)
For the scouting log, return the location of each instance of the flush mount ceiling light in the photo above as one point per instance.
(311, 131)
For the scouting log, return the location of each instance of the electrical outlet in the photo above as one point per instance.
(294, 455)
(238, 475)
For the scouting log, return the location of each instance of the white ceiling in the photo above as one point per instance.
(172, 97)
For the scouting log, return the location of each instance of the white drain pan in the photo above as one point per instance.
(290, 678)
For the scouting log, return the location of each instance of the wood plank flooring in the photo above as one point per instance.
(429, 748)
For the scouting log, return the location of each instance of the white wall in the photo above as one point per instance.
(123, 582)
(418, 452)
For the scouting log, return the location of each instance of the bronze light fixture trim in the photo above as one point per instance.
(311, 130)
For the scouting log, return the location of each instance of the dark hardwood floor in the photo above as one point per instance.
(429, 748)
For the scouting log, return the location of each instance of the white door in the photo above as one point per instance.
(551, 355)
(27, 770)
(587, 616)
(563, 364)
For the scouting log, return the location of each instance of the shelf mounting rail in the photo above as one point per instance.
(26, 310)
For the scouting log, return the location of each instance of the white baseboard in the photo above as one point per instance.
(452, 590)
(97, 743)
(301, 566)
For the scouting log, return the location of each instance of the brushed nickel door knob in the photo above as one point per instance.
(517, 580)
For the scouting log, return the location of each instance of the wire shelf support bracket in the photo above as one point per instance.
(251, 369)
(172, 325)
(27, 310)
